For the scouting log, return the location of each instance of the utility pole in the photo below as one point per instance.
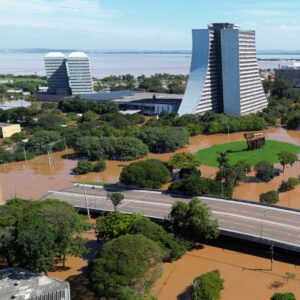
(86, 203)
(25, 155)
(261, 224)
(272, 256)
(50, 160)
(66, 145)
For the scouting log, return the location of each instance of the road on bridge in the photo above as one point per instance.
(271, 225)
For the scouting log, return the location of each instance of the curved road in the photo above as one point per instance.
(264, 224)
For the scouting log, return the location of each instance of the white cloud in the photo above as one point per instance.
(55, 13)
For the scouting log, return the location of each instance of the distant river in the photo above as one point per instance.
(118, 64)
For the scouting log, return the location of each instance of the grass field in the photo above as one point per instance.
(238, 151)
(94, 183)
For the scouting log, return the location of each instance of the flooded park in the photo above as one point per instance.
(34, 178)
(246, 275)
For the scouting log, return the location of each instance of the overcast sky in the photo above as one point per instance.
(142, 24)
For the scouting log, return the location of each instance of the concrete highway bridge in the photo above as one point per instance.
(269, 225)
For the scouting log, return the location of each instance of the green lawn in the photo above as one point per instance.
(238, 151)
(94, 183)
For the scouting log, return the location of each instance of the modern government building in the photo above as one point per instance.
(224, 75)
(68, 75)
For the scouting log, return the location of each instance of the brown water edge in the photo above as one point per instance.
(246, 277)
(35, 178)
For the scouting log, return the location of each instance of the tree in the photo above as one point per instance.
(188, 172)
(208, 286)
(50, 120)
(35, 244)
(283, 296)
(192, 221)
(264, 171)
(83, 167)
(131, 261)
(279, 86)
(90, 146)
(67, 225)
(162, 140)
(287, 158)
(172, 250)
(114, 224)
(34, 233)
(42, 141)
(116, 199)
(121, 148)
(196, 186)
(150, 173)
(183, 161)
(89, 116)
(271, 197)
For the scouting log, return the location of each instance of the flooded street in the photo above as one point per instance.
(246, 277)
(35, 178)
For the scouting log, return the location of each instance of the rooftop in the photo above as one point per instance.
(55, 54)
(16, 281)
(77, 54)
(152, 97)
(7, 124)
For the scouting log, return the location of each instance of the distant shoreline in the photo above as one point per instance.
(143, 52)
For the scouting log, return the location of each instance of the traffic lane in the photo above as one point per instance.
(269, 215)
(226, 207)
(227, 222)
(103, 203)
(259, 229)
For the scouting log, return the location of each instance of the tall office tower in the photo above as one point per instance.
(79, 72)
(242, 87)
(223, 72)
(57, 76)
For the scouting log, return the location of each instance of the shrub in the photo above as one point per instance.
(100, 166)
(264, 171)
(288, 185)
(283, 296)
(271, 197)
(187, 172)
(208, 286)
(83, 167)
(150, 173)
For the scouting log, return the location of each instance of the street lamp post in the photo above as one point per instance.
(86, 203)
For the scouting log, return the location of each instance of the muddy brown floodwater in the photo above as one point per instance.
(35, 178)
(246, 277)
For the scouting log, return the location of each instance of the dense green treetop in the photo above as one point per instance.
(183, 161)
(127, 261)
(150, 173)
(192, 221)
(113, 224)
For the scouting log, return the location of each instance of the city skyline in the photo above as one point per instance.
(101, 24)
